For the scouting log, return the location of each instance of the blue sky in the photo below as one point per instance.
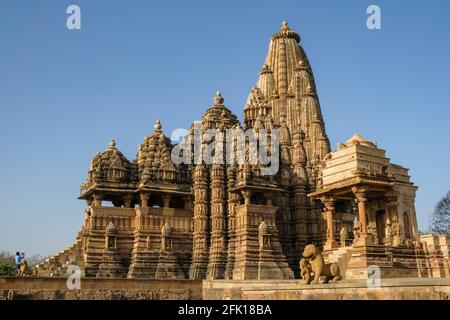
(64, 94)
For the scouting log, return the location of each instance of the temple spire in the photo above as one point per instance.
(287, 87)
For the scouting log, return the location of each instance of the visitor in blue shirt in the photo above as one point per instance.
(18, 259)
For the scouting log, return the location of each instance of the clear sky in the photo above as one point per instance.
(64, 94)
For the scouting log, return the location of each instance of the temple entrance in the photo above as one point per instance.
(381, 225)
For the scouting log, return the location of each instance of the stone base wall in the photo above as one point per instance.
(390, 289)
(41, 288)
(55, 288)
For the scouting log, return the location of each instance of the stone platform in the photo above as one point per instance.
(55, 288)
(390, 289)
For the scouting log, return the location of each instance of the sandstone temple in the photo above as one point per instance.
(153, 218)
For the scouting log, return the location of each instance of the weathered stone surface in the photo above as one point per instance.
(391, 289)
(42, 288)
(131, 289)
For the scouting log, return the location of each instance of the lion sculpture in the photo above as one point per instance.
(314, 264)
(23, 269)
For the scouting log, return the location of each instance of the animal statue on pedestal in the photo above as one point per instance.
(323, 272)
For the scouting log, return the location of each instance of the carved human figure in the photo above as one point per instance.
(388, 233)
(343, 236)
(356, 231)
(111, 242)
(305, 271)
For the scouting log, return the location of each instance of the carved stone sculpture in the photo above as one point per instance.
(305, 271)
(23, 269)
(323, 272)
(343, 236)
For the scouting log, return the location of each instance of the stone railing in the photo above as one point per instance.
(113, 211)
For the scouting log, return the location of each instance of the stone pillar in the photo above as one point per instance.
(217, 255)
(361, 197)
(247, 196)
(268, 199)
(144, 200)
(187, 203)
(232, 199)
(362, 215)
(127, 201)
(200, 251)
(166, 200)
(329, 207)
(98, 200)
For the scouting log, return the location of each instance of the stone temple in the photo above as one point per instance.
(168, 220)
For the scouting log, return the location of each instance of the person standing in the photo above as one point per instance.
(18, 259)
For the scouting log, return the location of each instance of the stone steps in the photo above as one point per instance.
(341, 256)
(57, 265)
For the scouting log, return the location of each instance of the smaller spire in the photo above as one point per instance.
(265, 69)
(111, 228)
(157, 125)
(218, 99)
(284, 25)
(263, 228)
(166, 231)
(301, 66)
(283, 119)
(309, 91)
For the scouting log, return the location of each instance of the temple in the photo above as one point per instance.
(157, 218)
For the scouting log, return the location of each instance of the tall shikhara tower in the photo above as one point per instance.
(286, 92)
(286, 88)
(285, 98)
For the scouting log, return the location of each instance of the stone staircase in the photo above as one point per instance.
(341, 256)
(56, 266)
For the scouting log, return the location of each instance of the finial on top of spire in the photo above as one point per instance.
(218, 99)
(157, 125)
(112, 144)
(286, 32)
